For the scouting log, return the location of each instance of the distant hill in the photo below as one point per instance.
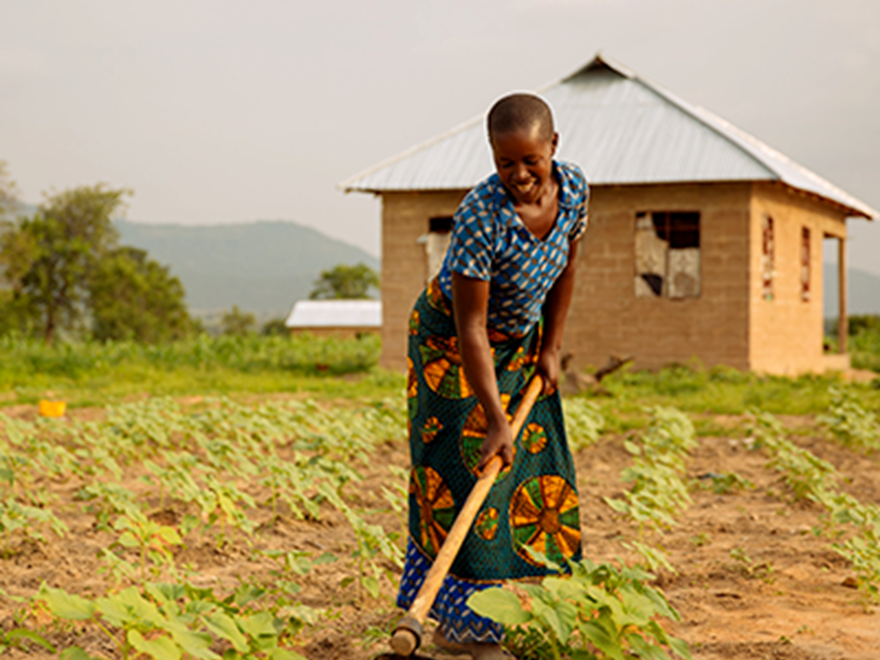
(263, 267)
(863, 295)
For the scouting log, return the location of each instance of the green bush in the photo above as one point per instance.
(860, 324)
(864, 349)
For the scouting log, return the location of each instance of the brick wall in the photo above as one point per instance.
(606, 316)
(405, 217)
(786, 332)
(338, 333)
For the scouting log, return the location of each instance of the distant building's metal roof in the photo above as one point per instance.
(621, 129)
(335, 314)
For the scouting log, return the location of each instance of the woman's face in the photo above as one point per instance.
(524, 162)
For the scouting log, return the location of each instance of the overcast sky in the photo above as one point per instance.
(217, 111)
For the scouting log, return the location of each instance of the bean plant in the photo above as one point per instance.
(598, 612)
(584, 423)
(850, 423)
(658, 494)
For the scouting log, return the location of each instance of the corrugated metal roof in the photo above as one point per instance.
(335, 314)
(621, 129)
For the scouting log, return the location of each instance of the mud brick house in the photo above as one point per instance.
(703, 242)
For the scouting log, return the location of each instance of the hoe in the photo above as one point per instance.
(407, 636)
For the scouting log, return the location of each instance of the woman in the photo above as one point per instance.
(492, 318)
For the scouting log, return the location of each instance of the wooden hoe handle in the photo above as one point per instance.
(408, 635)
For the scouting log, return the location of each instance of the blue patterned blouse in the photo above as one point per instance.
(490, 243)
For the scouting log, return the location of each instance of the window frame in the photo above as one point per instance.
(688, 235)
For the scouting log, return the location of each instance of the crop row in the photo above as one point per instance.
(854, 526)
(658, 493)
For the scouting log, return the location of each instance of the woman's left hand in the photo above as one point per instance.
(548, 367)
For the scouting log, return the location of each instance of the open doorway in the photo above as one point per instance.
(836, 327)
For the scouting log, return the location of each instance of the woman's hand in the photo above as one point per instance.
(498, 442)
(548, 367)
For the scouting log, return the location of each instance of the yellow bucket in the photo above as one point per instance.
(52, 408)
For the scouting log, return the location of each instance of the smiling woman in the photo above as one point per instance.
(489, 321)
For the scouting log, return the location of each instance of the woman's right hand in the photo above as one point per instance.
(498, 442)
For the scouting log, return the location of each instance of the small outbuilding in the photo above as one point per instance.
(703, 243)
(345, 319)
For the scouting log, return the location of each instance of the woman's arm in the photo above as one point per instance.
(470, 302)
(555, 310)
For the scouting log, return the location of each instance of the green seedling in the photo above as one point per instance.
(700, 540)
(170, 621)
(814, 479)
(850, 423)
(21, 520)
(658, 494)
(584, 423)
(153, 541)
(723, 483)
(598, 612)
(373, 545)
(107, 500)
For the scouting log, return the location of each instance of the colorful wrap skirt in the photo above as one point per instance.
(534, 502)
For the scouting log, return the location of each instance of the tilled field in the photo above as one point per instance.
(752, 578)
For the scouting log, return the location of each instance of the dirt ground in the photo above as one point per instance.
(784, 598)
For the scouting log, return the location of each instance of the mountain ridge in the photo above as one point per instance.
(863, 292)
(264, 266)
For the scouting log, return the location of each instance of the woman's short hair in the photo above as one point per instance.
(516, 112)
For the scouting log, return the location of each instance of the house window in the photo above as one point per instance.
(767, 250)
(436, 241)
(442, 225)
(805, 264)
(667, 254)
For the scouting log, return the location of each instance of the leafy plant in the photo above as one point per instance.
(850, 423)
(658, 493)
(107, 500)
(16, 637)
(723, 483)
(17, 519)
(167, 621)
(584, 422)
(815, 479)
(600, 611)
(373, 544)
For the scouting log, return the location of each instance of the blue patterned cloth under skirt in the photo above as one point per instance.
(458, 622)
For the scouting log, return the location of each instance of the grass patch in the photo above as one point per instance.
(864, 349)
(97, 374)
(720, 391)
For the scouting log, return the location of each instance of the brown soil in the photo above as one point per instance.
(787, 601)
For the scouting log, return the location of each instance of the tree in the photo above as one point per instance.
(10, 307)
(238, 323)
(50, 257)
(8, 192)
(275, 328)
(133, 297)
(345, 282)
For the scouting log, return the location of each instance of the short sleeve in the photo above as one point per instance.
(581, 215)
(470, 248)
